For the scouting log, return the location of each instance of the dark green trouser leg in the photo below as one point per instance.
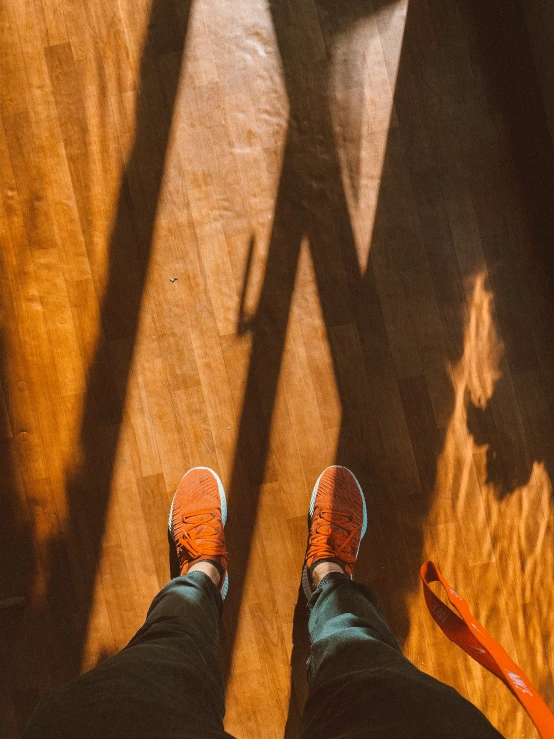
(361, 685)
(165, 684)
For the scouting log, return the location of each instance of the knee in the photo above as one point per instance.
(352, 651)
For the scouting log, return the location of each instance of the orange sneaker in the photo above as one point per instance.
(337, 521)
(196, 520)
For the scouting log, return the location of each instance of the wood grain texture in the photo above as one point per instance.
(267, 237)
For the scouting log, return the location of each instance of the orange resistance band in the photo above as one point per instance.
(468, 634)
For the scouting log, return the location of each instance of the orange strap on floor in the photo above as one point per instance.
(468, 634)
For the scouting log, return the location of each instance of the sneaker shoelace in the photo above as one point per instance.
(331, 537)
(202, 543)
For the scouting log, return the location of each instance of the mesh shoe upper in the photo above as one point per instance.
(197, 520)
(337, 519)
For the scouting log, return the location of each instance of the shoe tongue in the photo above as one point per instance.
(335, 528)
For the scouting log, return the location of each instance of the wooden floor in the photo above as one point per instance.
(266, 237)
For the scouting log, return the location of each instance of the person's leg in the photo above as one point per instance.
(361, 685)
(166, 682)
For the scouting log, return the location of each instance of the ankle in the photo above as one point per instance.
(208, 569)
(322, 569)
